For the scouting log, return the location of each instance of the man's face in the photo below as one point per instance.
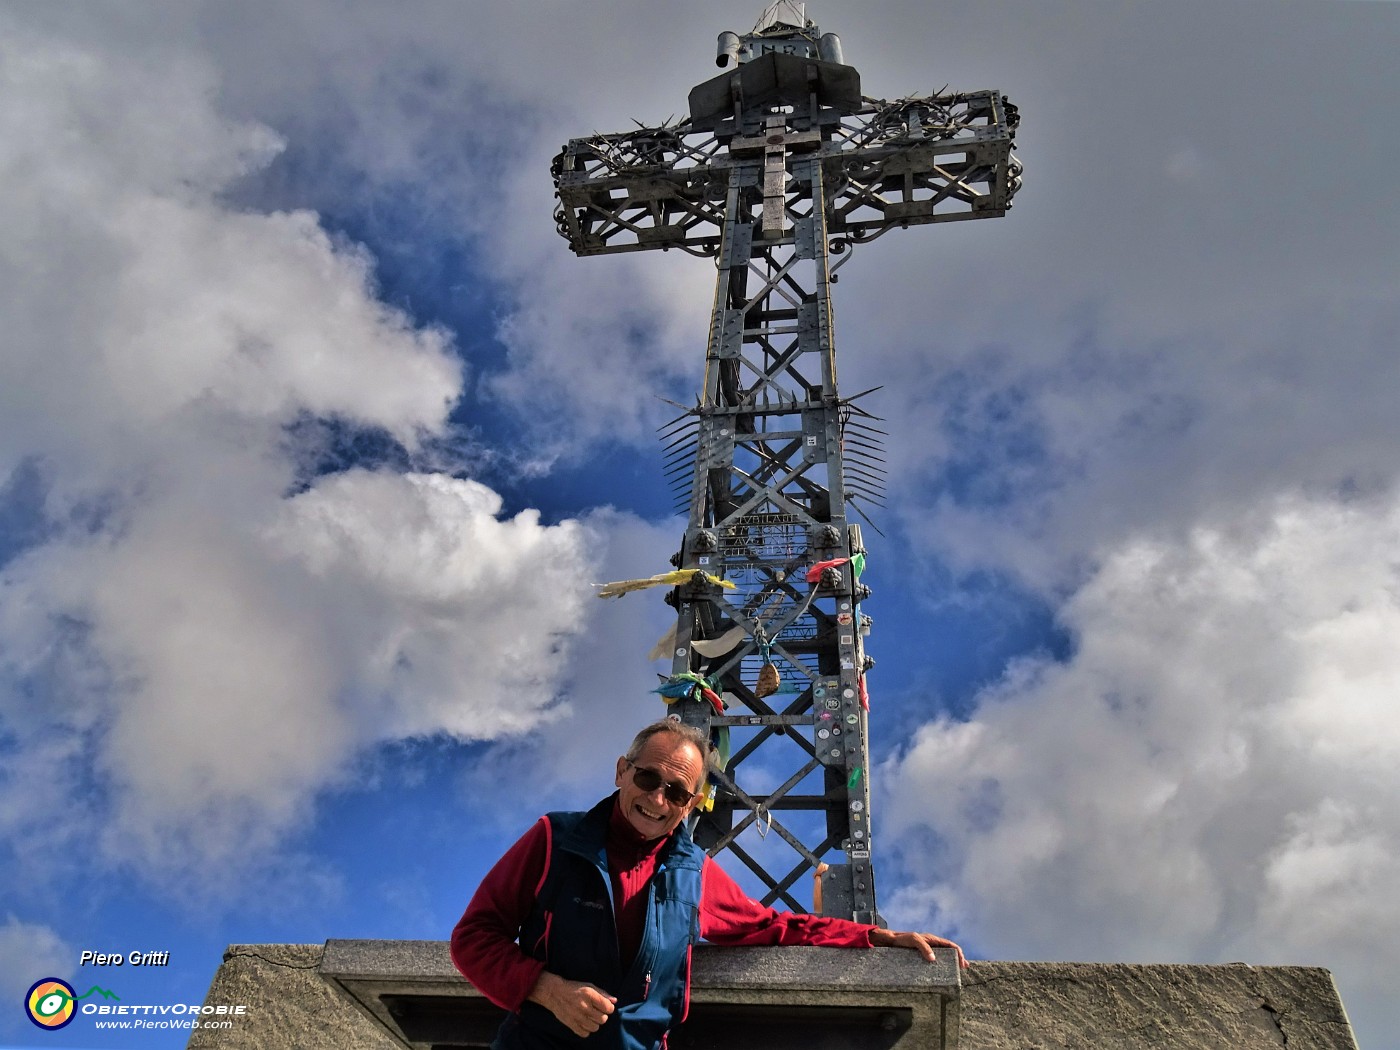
(676, 761)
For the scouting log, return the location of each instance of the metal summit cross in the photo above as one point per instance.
(781, 165)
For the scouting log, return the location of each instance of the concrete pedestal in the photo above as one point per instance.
(741, 998)
(387, 995)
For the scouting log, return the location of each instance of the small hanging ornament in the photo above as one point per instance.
(768, 677)
(768, 681)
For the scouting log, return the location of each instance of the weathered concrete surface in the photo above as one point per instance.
(822, 971)
(814, 998)
(883, 999)
(289, 1005)
(1003, 1005)
(1058, 1006)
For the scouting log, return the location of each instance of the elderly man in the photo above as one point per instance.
(583, 929)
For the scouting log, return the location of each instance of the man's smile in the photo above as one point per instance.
(672, 769)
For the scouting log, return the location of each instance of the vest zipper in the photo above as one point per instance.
(646, 987)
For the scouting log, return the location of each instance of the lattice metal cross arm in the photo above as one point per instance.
(653, 188)
(896, 169)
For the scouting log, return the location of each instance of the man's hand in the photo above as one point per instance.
(922, 943)
(582, 1008)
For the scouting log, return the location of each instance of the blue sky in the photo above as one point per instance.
(314, 436)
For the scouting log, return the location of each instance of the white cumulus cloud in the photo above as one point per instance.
(28, 951)
(210, 637)
(1208, 777)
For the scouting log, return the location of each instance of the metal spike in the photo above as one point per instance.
(868, 479)
(846, 401)
(871, 470)
(866, 517)
(867, 497)
(683, 408)
(876, 467)
(679, 423)
(854, 417)
(868, 429)
(861, 438)
(877, 479)
(858, 480)
(856, 410)
(683, 417)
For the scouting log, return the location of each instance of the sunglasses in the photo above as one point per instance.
(649, 780)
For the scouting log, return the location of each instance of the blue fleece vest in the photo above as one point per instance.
(572, 929)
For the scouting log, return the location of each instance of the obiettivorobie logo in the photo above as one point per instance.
(52, 1003)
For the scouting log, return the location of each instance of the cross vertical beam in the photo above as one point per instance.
(782, 164)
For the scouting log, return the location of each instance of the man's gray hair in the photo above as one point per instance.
(674, 726)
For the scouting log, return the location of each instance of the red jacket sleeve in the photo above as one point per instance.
(730, 916)
(484, 944)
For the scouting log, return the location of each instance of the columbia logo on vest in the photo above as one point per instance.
(591, 904)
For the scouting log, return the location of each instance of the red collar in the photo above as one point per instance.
(624, 838)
